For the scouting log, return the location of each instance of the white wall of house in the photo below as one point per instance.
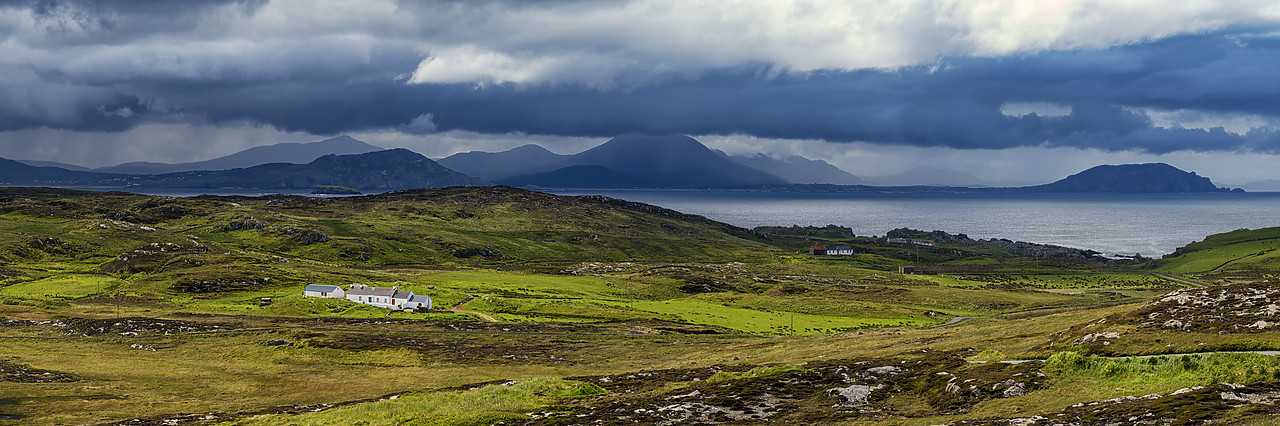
(336, 293)
(331, 295)
(389, 299)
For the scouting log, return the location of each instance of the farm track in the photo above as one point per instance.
(957, 320)
(483, 315)
(1233, 262)
(1181, 280)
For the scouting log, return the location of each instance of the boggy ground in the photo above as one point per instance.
(920, 384)
(1219, 318)
(1223, 403)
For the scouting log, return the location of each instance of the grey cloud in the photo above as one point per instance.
(110, 66)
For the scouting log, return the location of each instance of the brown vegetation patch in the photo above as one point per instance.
(152, 257)
(21, 374)
(1191, 406)
(812, 393)
(470, 349)
(88, 327)
(1237, 308)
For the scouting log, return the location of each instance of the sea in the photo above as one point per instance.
(1115, 224)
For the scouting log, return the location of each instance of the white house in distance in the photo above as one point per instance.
(839, 251)
(831, 250)
(330, 291)
(382, 297)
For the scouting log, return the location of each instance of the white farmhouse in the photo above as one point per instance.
(329, 291)
(387, 297)
(839, 251)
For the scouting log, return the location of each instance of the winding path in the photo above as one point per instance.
(1181, 280)
(1233, 262)
(458, 308)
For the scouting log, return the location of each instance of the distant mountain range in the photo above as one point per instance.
(632, 161)
(388, 169)
(296, 153)
(533, 165)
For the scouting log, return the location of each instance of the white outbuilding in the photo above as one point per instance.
(329, 291)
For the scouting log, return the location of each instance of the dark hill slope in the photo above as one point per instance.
(294, 153)
(492, 166)
(17, 173)
(390, 169)
(40, 163)
(675, 161)
(1131, 178)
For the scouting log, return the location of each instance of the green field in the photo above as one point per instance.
(63, 287)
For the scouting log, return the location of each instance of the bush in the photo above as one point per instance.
(1171, 370)
(721, 376)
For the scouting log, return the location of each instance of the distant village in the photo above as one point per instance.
(382, 297)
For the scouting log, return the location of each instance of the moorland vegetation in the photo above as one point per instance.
(119, 307)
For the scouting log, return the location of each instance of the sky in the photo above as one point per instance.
(1013, 92)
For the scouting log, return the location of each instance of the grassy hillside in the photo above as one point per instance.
(570, 310)
(1238, 256)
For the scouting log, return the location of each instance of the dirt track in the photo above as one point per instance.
(479, 314)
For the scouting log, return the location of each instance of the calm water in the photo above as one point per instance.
(1150, 224)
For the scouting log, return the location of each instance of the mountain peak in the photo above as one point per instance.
(1132, 178)
(671, 160)
(530, 147)
(496, 165)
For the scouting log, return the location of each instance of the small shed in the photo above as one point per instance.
(818, 250)
(906, 269)
(330, 291)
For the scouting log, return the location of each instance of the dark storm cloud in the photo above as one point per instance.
(957, 104)
(109, 66)
(62, 22)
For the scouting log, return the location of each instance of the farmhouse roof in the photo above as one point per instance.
(840, 248)
(321, 288)
(362, 290)
(818, 247)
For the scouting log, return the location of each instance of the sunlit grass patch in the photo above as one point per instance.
(721, 376)
(761, 321)
(1162, 374)
(62, 286)
(487, 405)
